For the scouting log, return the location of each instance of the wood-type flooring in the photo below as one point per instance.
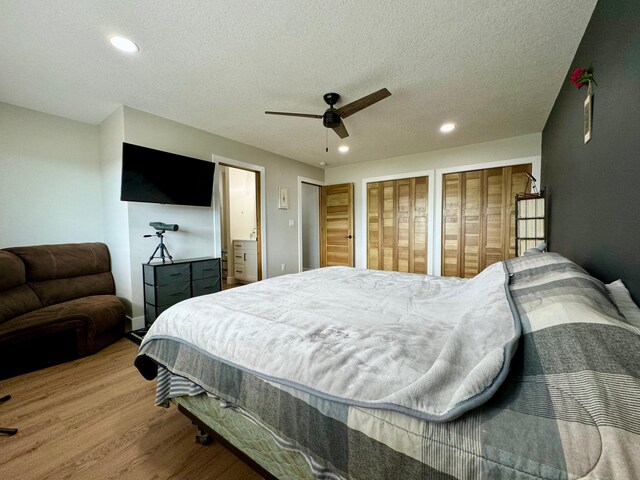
(94, 418)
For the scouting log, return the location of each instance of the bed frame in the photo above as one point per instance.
(207, 435)
(251, 443)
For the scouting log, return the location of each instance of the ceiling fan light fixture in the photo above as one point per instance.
(123, 44)
(332, 117)
(343, 148)
(447, 127)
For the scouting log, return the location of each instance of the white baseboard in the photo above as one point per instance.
(135, 323)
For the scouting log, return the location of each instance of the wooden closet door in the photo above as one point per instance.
(397, 219)
(404, 213)
(478, 215)
(374, 229)
(472, 193)
(452, 224)
(495, 224)
(518, 183)
(420, 226)
(388, 226)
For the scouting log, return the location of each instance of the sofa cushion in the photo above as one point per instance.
(36, 323)
(48, 262)
(12, 272)
(17, 301)
(61, 290)
(94, 314)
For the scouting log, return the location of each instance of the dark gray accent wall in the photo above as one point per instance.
(594, 189)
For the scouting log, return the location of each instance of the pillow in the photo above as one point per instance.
(541, 247)
(624, 302)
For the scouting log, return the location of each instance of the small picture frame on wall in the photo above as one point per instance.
(588, 116)
(283, 198)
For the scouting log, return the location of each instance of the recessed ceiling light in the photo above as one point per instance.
(343, 148)
(124, 44)
(448, 127)
(323, 164)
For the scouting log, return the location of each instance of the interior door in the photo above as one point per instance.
(336, 225)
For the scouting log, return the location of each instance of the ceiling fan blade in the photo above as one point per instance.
(288, 114)
(364, 102)
(341, 130)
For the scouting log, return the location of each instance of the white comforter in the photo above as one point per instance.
(431, 347)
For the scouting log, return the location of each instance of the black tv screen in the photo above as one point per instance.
(153, 176)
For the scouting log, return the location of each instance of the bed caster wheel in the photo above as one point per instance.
(203, 438)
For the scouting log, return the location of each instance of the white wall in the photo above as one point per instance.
(192, 240)
(310, 226)
(242, 203)
(506, 149)
(115, 214)
(196, 235)
(49, 179)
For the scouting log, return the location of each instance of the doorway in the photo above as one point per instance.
(240, 215)
(310, 226)
(332, 233)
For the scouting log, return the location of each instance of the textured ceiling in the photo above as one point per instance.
(494, 67)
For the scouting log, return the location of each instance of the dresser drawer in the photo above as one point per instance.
(166, 284)
(151, 312)
(167, 274)
(167, 295)
(206, 269)
(205, 286)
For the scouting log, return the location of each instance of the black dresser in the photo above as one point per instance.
(166, 284)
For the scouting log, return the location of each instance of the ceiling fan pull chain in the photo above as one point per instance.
(326, 148)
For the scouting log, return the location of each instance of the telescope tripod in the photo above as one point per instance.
(164, 252)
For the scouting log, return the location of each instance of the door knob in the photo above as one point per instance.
(350, 236)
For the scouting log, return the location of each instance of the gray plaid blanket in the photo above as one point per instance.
(569, 408)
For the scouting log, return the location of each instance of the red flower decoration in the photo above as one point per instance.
(582, 76)
(575, 77)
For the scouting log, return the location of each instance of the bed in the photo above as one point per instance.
(549, 390)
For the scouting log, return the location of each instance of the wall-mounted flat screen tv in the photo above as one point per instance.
(153, 176)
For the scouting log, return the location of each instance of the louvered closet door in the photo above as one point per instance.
(388, 223)
(471, 223)
(374, 221)
(519, 182)
(420, 225)
(478, 209)
(451, 224)
(397, 219)
(496, 224)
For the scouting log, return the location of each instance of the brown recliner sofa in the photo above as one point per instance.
(57, 303)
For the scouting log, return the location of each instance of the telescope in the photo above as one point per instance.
(172, 227)
(161, 227)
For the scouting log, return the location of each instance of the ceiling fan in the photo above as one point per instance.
(332, 117)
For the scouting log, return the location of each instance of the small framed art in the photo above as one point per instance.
(283, 198)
